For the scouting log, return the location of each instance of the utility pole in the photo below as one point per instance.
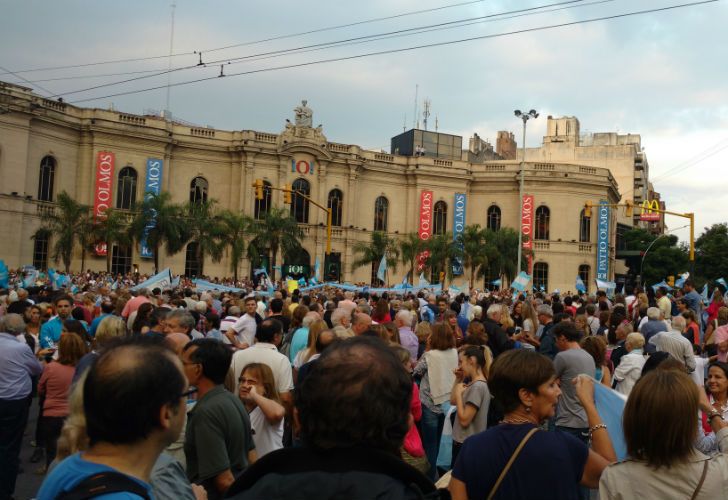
(525, 117)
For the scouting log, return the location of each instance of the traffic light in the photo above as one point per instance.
(587, 209)
(628, 208)
(287, 194)
(258, 185)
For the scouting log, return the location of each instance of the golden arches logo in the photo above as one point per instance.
(648, 211)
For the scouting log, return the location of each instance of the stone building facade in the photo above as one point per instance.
(47, 147)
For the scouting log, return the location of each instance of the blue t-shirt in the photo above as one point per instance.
(549, 466)
(96, 322)
(298, 342)
(50, 333)
(72, 471)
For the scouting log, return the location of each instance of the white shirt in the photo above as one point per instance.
(677, 346)
(268, 355)
(267, 437)
(629, 371)
(699, 374)
(245, 328)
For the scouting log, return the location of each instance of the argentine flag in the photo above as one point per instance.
(580, 286)
(382, 268)
(521, 281)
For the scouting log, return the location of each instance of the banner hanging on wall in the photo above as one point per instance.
(527, 228)
(152, 185)
(603, 241)
(102, 191)
(425, 227)
(457, 229)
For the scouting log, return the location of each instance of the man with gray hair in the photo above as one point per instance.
(181, 321)
(547, 342)
(341, 319)
(651, 327)
(498, 340)
(21, 304)
(408, 339)
(17, 365)
(675, 344)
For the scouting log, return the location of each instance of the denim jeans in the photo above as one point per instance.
(431, 424)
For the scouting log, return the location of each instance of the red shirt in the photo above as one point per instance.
(55, 383)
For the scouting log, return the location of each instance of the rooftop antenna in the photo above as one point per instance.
(415, 122)
(169, 65)
(437, 123)
(404, 123)
(426, 113)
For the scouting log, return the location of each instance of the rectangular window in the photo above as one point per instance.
(120, 259)
(40, 251)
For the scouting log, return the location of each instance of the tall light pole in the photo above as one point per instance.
(525, 117)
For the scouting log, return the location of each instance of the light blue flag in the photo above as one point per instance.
(521, 281)
(661, 284)
(454, 289)
(580, 286)
(610, 405)
(704, 294)
(606, 285)
(30, 276)
(160, 280)
(497, 282)
(317, 270)
(422, 281)
(382, 268)
(721, 281)
(4, 275)
(681, 280)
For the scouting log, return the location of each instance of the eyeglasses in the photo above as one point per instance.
(189, 392)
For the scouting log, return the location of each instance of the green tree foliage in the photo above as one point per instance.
(203, 227)
(113, 230)
(162, 223)
(234, 228)
(664, 258)
(442, 250)
(711, 253)
(277, 230)
(409, 248)
(371, 253)
(472, 241)
(65, 223)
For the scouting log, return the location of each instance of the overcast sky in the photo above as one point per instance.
(662, 75)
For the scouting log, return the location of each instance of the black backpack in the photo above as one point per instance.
(104, 483)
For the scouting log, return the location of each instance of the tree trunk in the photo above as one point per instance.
(108, 257)
(273, 253)
(156, 258)
(200, 260)
(472, 275)
(83, 258)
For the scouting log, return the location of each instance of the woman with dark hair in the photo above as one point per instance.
(663, 460)
(54, 387)
(32, 316)
(717, 386)
(596, 346)
(471, 399)
(142, 322)
(436, 367)
(516, 459)
(381, 311)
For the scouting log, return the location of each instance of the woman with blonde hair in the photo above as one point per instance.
(110, 328)
(314, 330)
(259, 395)
(663, 461)
(530, 323)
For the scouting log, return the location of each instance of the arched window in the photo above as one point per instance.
(120, 259)
(439, 223)
(542, 223)
(40, 249)
(381, 213)
(541, 276)
(494, 217)
(336, 200)
(299, 204)
(192, 263)
(126, 188)
(262, 206)
(584, 228)
(47, 176)
(198, 190)
(584, 275)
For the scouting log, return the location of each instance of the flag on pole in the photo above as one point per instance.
(382, 268)
(521, 281)
(317, 270)
(681, 280)
(422, 281)
(580, 286)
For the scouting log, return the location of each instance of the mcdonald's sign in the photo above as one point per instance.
(648, 213)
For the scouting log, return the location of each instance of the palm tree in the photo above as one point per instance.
(442, 250)
(234, 227)
(202, 227)
(159, 221)
(502, 250)
(409, 248)
(277, 230)
(85, 230)
(370, 254)
(112, 230)
(474, 254)
(65, 223)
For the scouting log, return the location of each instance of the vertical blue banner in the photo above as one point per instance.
(153, 185)
(603, 241)
(457, 229)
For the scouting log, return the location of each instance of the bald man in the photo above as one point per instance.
(177, 342)
(360, 323)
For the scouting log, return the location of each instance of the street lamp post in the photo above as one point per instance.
(525, 117)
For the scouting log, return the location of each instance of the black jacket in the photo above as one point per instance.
(353, 473)
(498, 339)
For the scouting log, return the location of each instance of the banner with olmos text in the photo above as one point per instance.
(153, 185)
(603, 241)
(102, 191)
(457, 229)
(527, 228)
(425, 227)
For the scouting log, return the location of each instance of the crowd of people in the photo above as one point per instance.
(176, 393)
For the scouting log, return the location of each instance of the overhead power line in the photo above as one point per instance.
(26, 81)
(336, 43)
(416, 47)
(254, 42)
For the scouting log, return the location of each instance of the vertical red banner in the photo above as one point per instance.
(102, 193)
(527, 227)
(425, 227)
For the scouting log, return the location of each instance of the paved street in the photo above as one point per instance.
(28, 481)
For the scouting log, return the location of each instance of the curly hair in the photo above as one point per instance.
(360, 380)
